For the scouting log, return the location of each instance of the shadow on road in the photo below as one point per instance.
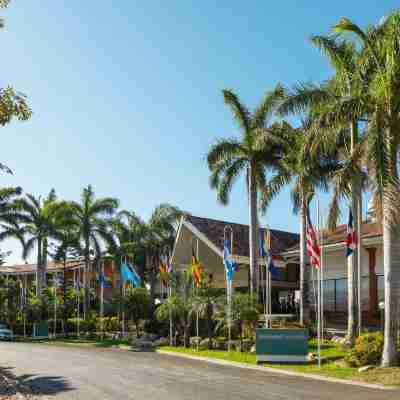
(29, 383)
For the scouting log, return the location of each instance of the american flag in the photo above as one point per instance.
(351, 241)
(313, 250)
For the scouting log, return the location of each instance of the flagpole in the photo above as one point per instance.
(102, 298)
(322, 278)
(319, 299)
(197, 311)
(359, 234)
(79, 300)
(55, 305)
(25, 290)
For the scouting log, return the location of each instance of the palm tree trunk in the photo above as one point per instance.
(304, 269)
(352, 260)
(39, 272)
(391, 263)
(253, 234)
(44, 262)
(85, 279)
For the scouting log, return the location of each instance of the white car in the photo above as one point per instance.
(5, 333)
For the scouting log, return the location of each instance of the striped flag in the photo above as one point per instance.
(266, 252)
(313, 250)
(351, 241)
(197, 269)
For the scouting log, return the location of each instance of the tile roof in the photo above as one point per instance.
(31, 268)
(214, 231)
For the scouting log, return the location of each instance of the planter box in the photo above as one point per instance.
(281, 345)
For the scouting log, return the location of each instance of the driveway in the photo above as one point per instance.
(95, 374)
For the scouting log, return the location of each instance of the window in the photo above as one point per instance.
(341, 295)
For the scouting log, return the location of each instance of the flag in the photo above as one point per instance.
(129, 274)
(351, 241)
(163, 269)
(197, 269)
(168, 265)
(230, 266)
(265, 252)
(313, 249)
(77, 285)
(105, 281)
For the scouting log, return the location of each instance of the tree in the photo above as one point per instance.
(259, 148)
(337, 107)
(13, 104)
(33, 225)
(307, 174)
(94, 229)
(137, 303)
(380, 55)
(205, 302)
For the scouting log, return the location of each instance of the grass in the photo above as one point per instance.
(333, 365)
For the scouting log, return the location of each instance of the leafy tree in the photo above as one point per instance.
(13, 104)
(205, 302)
(137, 302)
(259, 147)
(94, 228)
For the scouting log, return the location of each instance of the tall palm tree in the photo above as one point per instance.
(380, 57)
(337, 107)
(34, 223)
(258, 148)
(306, 174)
(94, 229)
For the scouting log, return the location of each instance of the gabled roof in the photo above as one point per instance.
(214, 231)
(31, 268)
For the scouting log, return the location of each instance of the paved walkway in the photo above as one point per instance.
(96, 374)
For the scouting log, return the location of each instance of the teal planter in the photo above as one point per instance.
(281, 345)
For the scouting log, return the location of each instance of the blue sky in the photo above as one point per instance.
(127, 95)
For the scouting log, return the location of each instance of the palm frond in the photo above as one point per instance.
(239, 110)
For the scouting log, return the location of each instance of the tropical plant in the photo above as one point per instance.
(137, 303)
(94, 229)
(259, 147)
(32, 223)
(307, 173)
(244, 314)
(380, 54)
(205, 302)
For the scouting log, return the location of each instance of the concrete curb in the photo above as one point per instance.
(277, 371)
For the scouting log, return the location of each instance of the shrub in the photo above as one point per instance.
(367, 350)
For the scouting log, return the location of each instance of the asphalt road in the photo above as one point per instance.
(95, 374)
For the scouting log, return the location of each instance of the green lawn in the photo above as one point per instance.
(332, 366)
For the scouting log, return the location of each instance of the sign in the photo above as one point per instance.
(281, 345)
(41, 330)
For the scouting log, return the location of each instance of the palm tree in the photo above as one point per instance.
(33, 225)
(258, 148)
(94, 229)
(337, 107)
(307, 174)
(159, 239)
(380, 56)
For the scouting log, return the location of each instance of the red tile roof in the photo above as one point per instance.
(31, 268)
(214, 231)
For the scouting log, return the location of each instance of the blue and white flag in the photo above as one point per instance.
(129, 274)
(230, 265)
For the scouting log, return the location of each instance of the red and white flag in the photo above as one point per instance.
(351, 241)
(313, 249)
